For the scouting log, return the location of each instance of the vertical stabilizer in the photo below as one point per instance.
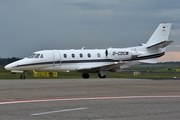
(160, 35)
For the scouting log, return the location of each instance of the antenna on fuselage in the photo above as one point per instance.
(82, 48)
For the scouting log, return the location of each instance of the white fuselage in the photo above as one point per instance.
(72, 60)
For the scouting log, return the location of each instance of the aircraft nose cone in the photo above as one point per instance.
(8, 67)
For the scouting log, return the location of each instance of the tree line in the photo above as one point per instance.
(5, 61)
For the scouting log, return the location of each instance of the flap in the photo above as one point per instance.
(107, 67)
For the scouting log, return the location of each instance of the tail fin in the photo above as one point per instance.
(160, 36)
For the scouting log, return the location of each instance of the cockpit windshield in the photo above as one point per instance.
(37, 56)
(31, 56)
(34, 55)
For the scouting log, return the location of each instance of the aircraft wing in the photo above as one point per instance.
(137, 62)
(114, 66)
(107, 67)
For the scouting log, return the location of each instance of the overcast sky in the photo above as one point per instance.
(31, 25)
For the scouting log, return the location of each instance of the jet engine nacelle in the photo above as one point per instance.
(120, 54)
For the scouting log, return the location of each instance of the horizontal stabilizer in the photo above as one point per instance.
(161, 44)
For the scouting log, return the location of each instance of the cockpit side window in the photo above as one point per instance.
(41, 56)
(37, 56)
(31, 56)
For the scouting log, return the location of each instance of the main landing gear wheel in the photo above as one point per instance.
(101, 76)
(85, 75)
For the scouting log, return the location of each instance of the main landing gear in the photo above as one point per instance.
(85, 75)
(100, 74)
(23, 76)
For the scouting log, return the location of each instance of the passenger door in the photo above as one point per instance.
(57, 59)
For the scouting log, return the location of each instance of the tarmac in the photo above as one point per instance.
(90, 99)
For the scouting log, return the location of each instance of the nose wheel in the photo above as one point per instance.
(23, 76)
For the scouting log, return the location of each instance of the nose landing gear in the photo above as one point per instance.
(23, 76)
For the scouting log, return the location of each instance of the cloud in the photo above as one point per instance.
(175, 32)
(31, 25)
(169, 57)
(177, 46)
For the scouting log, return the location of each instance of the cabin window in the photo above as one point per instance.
(65, 55)
(81, 55)
(89, 55)
(31, 56)
(98, 54)
(73, 55)
(41, 56)
(37, 56)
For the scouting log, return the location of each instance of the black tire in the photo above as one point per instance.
(85, 75)
(101, 76)
(22, 77)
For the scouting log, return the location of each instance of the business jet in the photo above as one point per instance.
(97, 61)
